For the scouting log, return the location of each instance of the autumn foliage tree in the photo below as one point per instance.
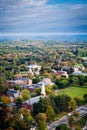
(5, 99)
(41, 117)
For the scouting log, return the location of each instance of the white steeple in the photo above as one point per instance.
(21, 116)
(43, 93)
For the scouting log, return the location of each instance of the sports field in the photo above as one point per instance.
(73, 92)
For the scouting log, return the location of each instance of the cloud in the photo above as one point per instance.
(78, 6)
(14, 4)
(37, 16)
(35, 2)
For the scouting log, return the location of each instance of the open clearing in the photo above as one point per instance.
(73, 92)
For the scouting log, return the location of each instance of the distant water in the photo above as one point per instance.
(46, 37)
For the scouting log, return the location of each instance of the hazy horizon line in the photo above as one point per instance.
(40, 34)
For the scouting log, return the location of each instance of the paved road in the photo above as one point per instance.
(64, 120)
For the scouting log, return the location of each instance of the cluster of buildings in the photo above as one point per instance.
(66, 70)
(14, 94)
(26, 83)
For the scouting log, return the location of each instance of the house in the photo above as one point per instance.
(62, 73)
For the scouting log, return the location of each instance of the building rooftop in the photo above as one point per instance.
(33, 66)
(79, 73)
(61, 72)
(18, 79)
(11, 91)
(33, 100)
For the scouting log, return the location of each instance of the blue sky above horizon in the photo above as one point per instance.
(43, 17)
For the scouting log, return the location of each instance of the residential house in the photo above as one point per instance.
(62, 73)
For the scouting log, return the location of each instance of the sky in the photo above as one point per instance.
(43, 17)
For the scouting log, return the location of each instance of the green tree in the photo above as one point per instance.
(62, 102)
(85, 98)
(71, 121)
(77, 129)
(79, 101)
(57, 82)
(41, 125)
(41, 106)
(50, 113)
(16, 123)
(18, 102)
(81, 79)
(36, 80)
(85, 79)
(27, 116)
(38, 91)
(55, 87)
(25, 94)
(62, 127)
(72, 105)
(64, 83)
(3, 87)
(17, 87)
(75, 80)
(48, 91)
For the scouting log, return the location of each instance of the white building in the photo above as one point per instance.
(34, 69)
(43, 93)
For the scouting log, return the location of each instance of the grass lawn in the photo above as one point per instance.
(73, 92)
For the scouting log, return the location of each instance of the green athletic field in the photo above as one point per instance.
(73, 92)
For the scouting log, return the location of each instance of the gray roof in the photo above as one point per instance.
(13, 105)
(33, 100)
(11, 91)
(20, 79)
(79, 73)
